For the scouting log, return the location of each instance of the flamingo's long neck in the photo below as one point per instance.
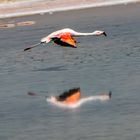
(84, 34)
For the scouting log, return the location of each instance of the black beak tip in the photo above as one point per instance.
(110, 94)
(104, 33)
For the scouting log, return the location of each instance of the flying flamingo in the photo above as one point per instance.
(64, 37)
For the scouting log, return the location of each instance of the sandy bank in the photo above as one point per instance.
(14, 9)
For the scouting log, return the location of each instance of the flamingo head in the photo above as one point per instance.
(98, 33)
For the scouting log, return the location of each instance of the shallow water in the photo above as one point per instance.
(98, 65)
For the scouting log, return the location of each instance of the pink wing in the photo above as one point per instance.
(67, 38)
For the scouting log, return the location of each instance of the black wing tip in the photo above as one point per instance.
(68, 93)
(72, 90)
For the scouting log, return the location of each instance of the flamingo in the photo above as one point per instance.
(64, 37)
(73, 97)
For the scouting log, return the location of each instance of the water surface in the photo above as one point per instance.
(99, 64)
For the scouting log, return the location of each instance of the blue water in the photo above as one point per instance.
(98, 65)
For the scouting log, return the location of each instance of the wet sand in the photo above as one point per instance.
(52, 18)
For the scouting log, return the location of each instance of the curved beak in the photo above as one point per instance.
(104, 33)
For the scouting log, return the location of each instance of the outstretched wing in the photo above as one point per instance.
(67, 38)
(71, 96)
(64, 39)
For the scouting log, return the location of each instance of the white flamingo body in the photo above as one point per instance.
(73, 33)
(64, 37)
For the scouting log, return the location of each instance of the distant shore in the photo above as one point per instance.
(14, 8)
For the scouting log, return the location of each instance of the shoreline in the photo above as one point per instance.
(24, 8)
